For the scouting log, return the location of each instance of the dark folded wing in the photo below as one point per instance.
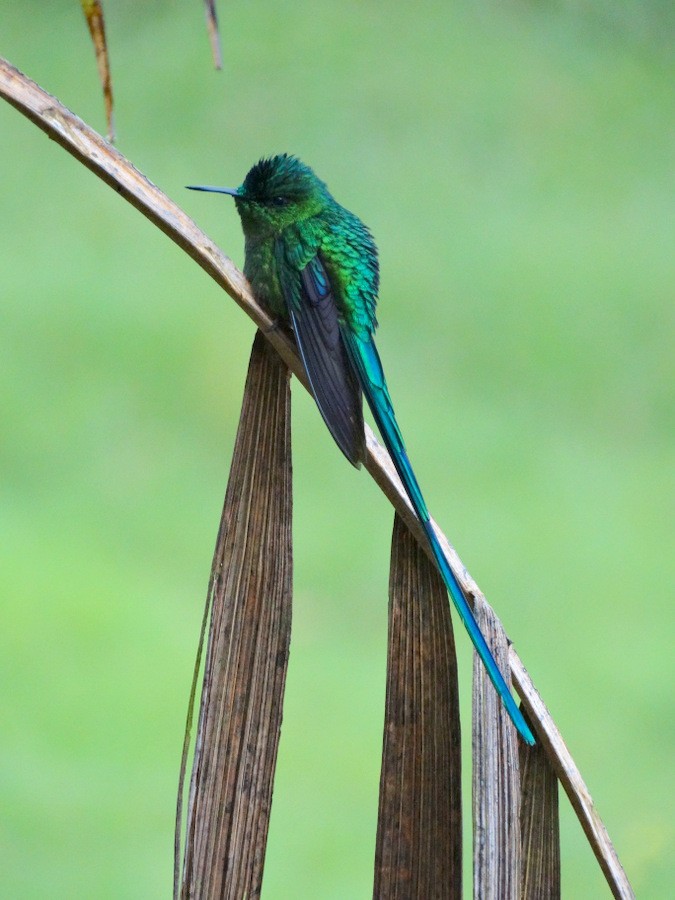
(314, 317)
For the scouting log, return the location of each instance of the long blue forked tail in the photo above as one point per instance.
(371, 376)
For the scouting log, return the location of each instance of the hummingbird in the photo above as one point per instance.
(313, 265)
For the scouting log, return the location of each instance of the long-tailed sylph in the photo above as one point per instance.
(313, 264)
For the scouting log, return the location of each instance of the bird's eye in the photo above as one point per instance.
(280, 201)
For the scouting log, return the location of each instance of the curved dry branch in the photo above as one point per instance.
(64, 127)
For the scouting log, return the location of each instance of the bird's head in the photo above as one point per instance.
(277, 192)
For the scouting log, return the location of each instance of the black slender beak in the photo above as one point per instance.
(213, 190)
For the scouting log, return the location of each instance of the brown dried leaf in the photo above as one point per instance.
(419, 832)
(247, 653)
(539, 825)
(496, 775)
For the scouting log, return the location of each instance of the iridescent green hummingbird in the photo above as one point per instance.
(313, 264)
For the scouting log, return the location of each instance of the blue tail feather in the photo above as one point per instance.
(367, 363)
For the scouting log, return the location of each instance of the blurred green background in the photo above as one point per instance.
(515, 162)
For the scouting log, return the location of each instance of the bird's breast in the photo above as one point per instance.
(260, 267)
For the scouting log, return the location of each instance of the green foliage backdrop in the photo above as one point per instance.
(516, 166)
